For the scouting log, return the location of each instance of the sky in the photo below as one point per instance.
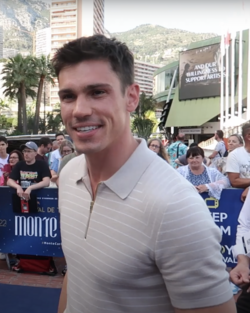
(213, 16)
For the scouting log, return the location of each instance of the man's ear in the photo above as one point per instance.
(133, 95)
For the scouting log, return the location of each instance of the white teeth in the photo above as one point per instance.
(87, 128)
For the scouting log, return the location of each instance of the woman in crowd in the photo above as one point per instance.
(14, 157)
(157, 146)
(234, 141)
(205, 179)
(65, 149)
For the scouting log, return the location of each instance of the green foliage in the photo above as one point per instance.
(54, 122)
(143, 127)
(157, 44)
(142, 123)
(146, 104)
(22, 76)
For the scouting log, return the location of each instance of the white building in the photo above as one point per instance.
(9, 53)
(144, 76)
(43, 42)
(71, 19)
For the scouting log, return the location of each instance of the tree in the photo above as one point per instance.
(19, 79)
(45, 72)
(54, 121)
(143, 123)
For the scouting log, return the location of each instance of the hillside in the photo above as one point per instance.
(157, 44)
(149, 43)
(25, 15)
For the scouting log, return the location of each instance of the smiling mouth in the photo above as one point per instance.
(87, 129)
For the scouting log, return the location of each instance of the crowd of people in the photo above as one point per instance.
(32, 167)
(227, 166)
(136, 235)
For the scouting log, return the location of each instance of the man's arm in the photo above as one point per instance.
(63, 297)
(13, 184)
(227, 307)
(240, 274)
(44, 183)
(212, 156)
(238, 182)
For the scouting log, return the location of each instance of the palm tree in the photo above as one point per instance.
(143, 123)
(20, 77)
(45, 72)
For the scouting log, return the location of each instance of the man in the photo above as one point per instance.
(134, 232)
(220, 147)
(30, 174)
(44, 147)
(240, 274)
(3, 153)
(238, 162)
(60, 137)
(177, 149)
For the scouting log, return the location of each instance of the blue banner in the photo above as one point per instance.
(39, 233)
(31, 233)
(225, 214)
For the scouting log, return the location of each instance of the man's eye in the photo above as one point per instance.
(98, 92)
(67, 97)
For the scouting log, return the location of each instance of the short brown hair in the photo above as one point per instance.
(220, 134)
(98, 47)
(245, 128)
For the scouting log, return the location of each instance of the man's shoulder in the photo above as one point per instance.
(76, 162)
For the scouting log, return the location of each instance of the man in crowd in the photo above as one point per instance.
(134, 232)
(3, 153)
(238, 162)
(60, 137)
(29, 174)
(44, 147)
(240, 274)
(220, 147)
(177, 149)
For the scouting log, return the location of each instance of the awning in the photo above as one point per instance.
(194, 112)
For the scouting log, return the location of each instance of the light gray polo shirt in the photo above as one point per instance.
(151, 243)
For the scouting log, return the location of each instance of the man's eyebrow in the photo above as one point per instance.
(87, 88)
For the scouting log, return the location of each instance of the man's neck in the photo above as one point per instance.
(40, 152)
(31, 162)
(103, 165)
(3, 155)
(219, 139)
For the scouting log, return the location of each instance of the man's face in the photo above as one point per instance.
(60, 139)
(29, 155)
(216, 136)
(3, 147)
(93, 107)
(45, 149)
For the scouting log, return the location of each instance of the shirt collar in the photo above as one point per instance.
(126, 178)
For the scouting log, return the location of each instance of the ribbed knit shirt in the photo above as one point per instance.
(149, 245)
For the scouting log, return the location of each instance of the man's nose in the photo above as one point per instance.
(82, 107)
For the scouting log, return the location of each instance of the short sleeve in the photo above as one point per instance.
(188, 253)
(54, 165)
(45, 169)
(232, 165)
(218, 147)
(15, 173)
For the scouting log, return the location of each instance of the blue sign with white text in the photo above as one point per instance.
(225, 214)
(39, 233)
(31, 233)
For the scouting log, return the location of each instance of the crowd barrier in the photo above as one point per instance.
(39, 233)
